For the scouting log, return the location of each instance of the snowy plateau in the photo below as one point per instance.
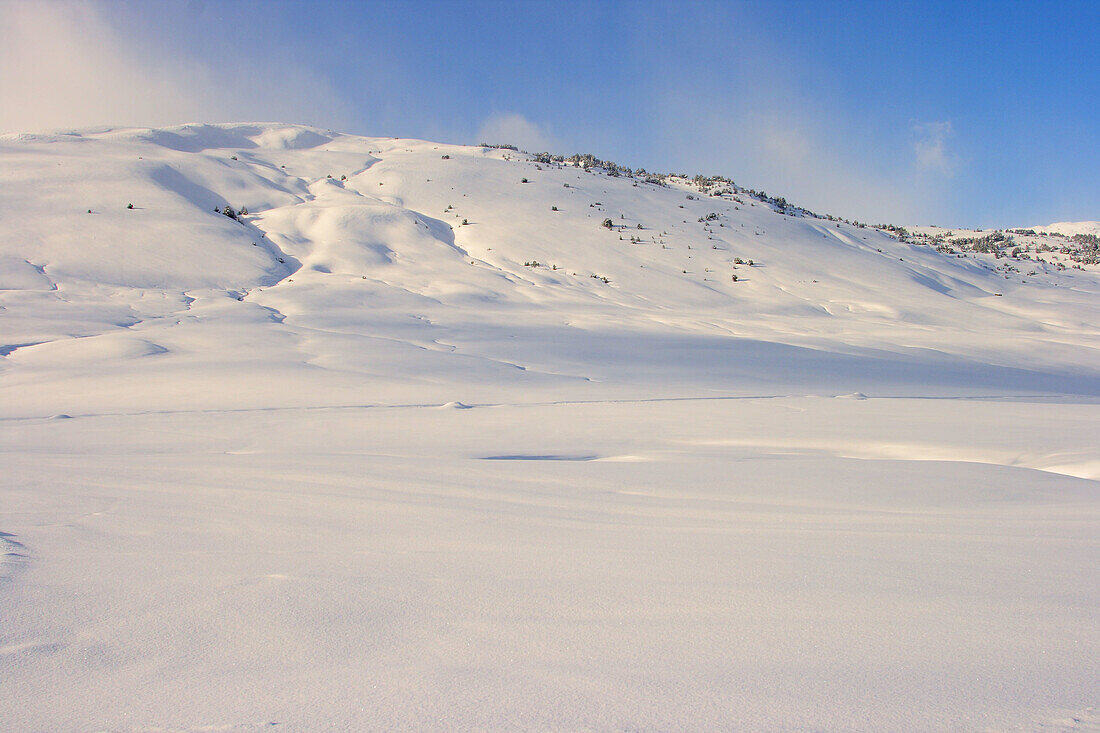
(303, 431)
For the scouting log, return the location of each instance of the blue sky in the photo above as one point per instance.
(958, 114)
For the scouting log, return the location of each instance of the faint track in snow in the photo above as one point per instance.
(1041, 398)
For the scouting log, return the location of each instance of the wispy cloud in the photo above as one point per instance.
(515, 129)
(930, 146)
(64, 64)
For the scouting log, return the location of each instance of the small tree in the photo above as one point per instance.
(608, 223)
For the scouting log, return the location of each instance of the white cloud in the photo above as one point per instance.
(515, 129)
(63, 64)
(930, 147)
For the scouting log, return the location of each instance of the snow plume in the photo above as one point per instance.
(515, 129)
(803, 154)
(930, 147)
(68, 64)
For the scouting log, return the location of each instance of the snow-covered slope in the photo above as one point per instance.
(1070, 228)
(267, 506)
(354, 258)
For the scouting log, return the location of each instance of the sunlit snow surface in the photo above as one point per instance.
(349, 464)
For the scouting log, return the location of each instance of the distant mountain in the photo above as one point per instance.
(1071, 227)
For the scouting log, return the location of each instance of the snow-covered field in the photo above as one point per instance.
(416, 445)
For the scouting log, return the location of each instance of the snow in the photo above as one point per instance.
(348, 463)
(1069, 228)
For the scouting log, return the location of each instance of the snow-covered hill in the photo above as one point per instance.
(1069, 228)
(726, 464)
(439, 272)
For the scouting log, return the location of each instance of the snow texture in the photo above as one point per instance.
(415, 445)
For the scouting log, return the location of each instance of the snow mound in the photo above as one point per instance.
(85, 351)
(19, 274)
